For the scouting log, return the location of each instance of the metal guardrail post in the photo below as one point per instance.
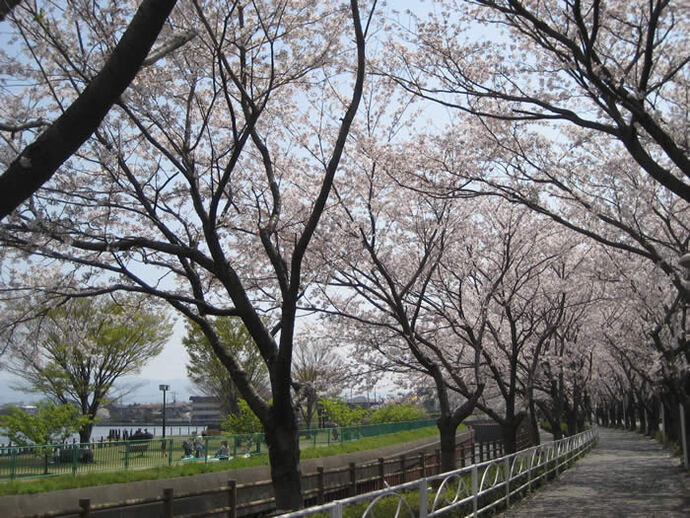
(170, 452)
(529, 468)
(557, 458)
(232, 498)
(321, 484)
(437, 452)
(475, 490)
(84, 508)
(683, 436)
(168, 498)
(382, 472)
(422, 463)
(403, 468)
(353, 479)
(506, 468)
(422, 498)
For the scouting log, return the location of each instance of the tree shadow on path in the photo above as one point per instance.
(627, 474)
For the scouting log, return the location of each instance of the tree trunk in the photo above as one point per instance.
(671, 418)
(653, 417)
(6, 7)
(282, 439)
(556, 429)
(618, 415)
(581, 419)
(447, 430)
(85, 433)
(552, 414)
(571, 421)
(230, 400)
(640, 408)
(610, 419)
(510, 436)
(587, 410)
(312, 401)
(631, 414)
(685, 456)
(535, 440)
(605, 416)
(685, 401)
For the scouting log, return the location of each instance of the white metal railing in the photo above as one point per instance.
(475, 488)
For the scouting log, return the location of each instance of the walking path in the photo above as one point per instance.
(625, 475)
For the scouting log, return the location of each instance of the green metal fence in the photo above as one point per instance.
(60, 459)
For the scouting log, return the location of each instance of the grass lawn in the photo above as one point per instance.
(151, 465)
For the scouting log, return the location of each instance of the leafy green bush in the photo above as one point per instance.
(342, 414)
(51, 424)
(245, 421)
(397, 412)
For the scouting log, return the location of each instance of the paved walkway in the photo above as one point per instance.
(626, 475)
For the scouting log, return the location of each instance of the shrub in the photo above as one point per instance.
(244, 421)
(397, 412)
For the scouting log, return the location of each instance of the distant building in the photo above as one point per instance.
(364, 402)
(176, 412)
(29, 409)
(206, 410)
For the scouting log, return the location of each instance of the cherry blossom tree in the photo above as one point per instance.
(646, 346)
(392, 276)
(563, 377)
(318, 372)
(443, 286)
(390, 290)
(524, 312)
(573, 91)
(95, 93)
(206, 184)
(617, 69)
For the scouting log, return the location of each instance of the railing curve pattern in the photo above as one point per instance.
(469, 491)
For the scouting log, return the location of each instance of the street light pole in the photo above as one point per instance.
(164, 388)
